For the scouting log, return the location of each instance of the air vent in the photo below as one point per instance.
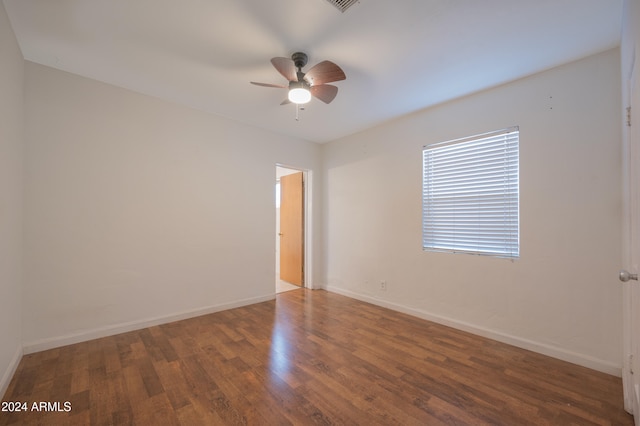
(342, 5)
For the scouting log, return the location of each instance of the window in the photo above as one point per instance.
(470, 195)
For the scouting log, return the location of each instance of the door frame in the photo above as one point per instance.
(629, 252)
(631, 207)
(307, 179)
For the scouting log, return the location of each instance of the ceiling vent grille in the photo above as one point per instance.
(343, 5)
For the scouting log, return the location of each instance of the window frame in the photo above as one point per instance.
(482, 217)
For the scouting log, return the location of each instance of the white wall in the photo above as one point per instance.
(11, 159)
(138, 209)
(562, 296)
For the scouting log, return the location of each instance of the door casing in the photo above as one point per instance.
(631, 226)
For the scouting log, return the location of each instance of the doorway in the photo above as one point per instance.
(290, 228)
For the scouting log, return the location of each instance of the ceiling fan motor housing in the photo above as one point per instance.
(300, 84)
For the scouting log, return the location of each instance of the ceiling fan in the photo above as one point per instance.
(304, 85)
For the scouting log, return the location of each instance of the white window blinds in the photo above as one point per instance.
(470, 195)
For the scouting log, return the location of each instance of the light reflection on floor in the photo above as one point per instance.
(282, 286)
(279, 351)
(280, 355)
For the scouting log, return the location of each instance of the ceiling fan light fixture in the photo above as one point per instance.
(299, 93)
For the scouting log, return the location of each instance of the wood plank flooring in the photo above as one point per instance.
(309, 357)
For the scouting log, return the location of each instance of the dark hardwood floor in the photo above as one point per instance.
(309, 357)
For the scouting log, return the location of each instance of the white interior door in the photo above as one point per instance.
(631, 290)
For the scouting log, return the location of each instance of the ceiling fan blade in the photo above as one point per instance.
(324, 72)
(325, 92)
(279, 86)
(286, 67)
(285, 102)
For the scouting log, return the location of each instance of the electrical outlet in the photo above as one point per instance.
(383, 285)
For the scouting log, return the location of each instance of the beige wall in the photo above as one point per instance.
(11, 155)
(562, 296)
(140, 210)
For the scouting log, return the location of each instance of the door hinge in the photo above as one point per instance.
(628, 116)
(631, 363)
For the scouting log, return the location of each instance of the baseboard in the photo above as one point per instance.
(69, 339)
(10, 371)
(542, 348)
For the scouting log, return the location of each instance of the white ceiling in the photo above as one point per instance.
(399, 55)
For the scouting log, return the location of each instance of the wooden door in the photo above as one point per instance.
(631, 261)
(292, 229)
